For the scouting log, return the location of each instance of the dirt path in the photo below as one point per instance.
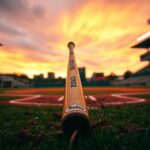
(92, 100)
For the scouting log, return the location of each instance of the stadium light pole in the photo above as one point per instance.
(75, 114)
(148, 21)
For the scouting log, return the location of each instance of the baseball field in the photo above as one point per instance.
(119, 117)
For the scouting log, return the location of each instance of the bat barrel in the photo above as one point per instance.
(75, 113)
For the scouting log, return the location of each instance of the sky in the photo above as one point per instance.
(35, 34)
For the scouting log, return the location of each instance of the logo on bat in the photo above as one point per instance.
(75, 107)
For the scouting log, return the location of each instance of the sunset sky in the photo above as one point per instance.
(35, 34)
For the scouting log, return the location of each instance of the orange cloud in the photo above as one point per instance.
(35, 42)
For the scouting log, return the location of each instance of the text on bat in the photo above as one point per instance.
(73, 82)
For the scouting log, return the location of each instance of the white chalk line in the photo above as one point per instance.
(126, 96)
(20, 101)
(25, 101)
(60, 99)
(92, 98)
(30, 97)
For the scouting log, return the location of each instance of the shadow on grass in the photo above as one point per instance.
(119, 128)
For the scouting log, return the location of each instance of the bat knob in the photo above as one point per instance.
(71, 45)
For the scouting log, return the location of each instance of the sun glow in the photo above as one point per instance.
(103, 33)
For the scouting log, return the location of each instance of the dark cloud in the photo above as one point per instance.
(29, 44)
(21, 8)
(12, 6)
(9, 29)
(74, 5)
(37, 30)
(38, 11)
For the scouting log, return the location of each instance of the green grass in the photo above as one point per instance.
(2, 90)
(3, 98)
(114, 136)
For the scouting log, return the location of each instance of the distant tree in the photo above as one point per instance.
(60, 77)
(112, 76)
(15, 75)
(127, 74)
(24, 76)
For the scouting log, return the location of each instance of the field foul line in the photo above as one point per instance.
(19, 101)
(126, 96)
(31, 97)
(38, 104)
(92, 98)
(60, 99)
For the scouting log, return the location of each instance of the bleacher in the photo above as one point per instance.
(135, 81)
(139, 78)
(7, 81)
(142, 76)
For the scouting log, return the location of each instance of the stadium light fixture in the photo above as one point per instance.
(148, 21)
(143, 37)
